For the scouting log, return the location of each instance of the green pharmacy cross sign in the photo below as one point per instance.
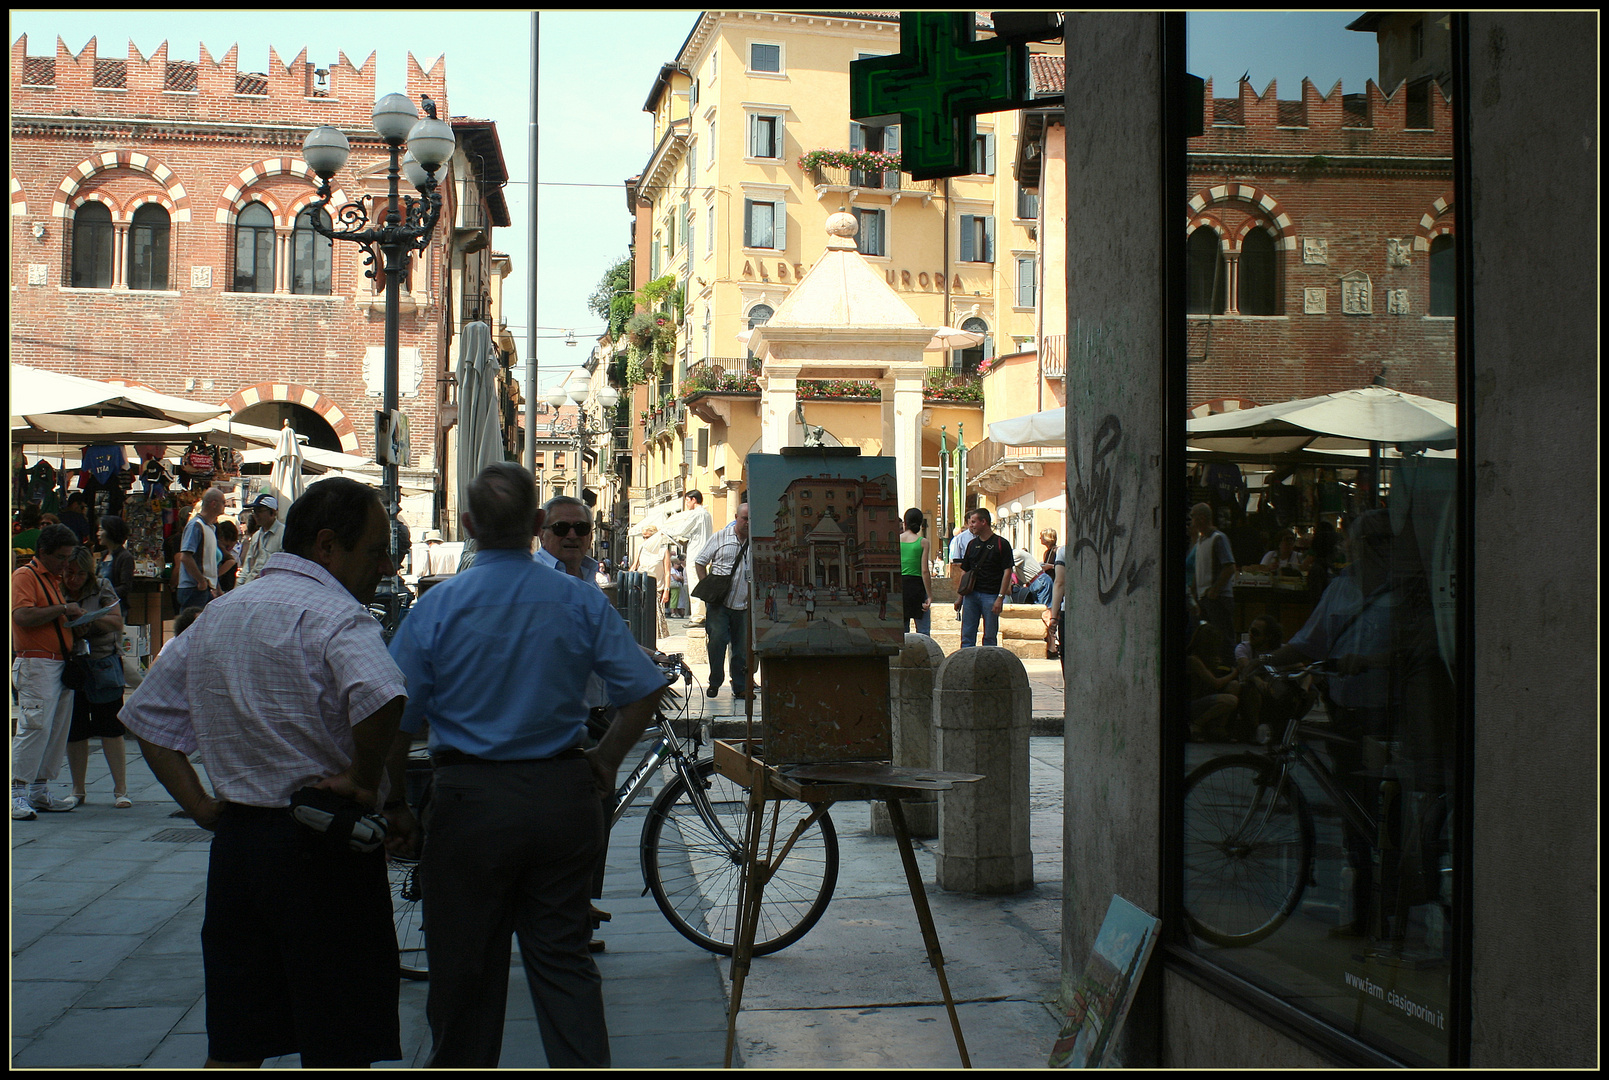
(935, 87)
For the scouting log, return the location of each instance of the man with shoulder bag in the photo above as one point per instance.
(723, 585)
(984, 580)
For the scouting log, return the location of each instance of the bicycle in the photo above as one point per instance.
(691, 850)
(1249, 833)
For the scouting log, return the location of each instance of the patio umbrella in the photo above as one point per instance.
(1048, 428)
(286, 476)
(1355, 418)
(480, 418)
(48, 403)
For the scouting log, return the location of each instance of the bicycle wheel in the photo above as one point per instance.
(1248, 849)
(693, 865)
(409, 914)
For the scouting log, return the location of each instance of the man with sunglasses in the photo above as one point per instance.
(567, 537)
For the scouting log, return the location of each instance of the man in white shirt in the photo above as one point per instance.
(269, 537)
(691, 528)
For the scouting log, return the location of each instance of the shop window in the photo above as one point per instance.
(92, 246)
(254, 250)
(148, 248)
(310, 255)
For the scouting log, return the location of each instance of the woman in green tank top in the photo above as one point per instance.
(914, 558)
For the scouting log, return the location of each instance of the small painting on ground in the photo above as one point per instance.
(1104, 991)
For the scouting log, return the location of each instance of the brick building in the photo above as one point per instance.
(1320, 235)
(160, 233)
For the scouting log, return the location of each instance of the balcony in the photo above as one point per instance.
(830, 179)
(665, 419)
(992, 467)
(664, 492)
(1053, 356)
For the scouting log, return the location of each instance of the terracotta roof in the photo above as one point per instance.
(111, 74)
(39, 71)
(180, 75)
(1049, 74)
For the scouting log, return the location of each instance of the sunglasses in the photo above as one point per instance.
(562, 528)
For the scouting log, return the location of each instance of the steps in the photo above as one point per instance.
(1022, 629)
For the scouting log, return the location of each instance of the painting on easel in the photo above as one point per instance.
(825, 570)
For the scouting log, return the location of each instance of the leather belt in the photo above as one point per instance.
(38, 654)
(448, 756)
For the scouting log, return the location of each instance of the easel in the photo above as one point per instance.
(821, 786)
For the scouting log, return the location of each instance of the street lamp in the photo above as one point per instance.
(407, 226)
(576, 390)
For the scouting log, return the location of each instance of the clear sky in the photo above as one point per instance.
(596, 68)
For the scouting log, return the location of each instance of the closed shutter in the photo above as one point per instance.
(779, 224)
(987, 254)
(891, 146)
(968, 239)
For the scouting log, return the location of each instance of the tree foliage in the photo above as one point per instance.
(613, 300)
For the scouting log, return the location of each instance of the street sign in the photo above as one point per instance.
(935, 86)
(391, 444)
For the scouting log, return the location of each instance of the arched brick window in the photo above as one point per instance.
(148, 248)
(1206, 282)
(92, 246)
(254, 249)
(310, 255)
(1258, 292)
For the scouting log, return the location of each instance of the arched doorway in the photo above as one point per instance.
(274, 415)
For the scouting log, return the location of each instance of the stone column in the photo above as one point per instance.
(910, 695)
(907, 434)
(779, 388)
(982, 707)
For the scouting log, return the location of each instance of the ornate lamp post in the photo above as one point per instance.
(406, 226)
(577, 390)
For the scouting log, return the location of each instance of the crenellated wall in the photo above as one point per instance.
(1372, 122)
(158, 88)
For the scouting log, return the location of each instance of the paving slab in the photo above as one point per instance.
(87, 1038)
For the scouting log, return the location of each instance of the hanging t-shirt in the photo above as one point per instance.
(104, 462)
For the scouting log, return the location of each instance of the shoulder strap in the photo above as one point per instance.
(56, 622)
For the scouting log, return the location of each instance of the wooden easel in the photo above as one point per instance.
(821, 786)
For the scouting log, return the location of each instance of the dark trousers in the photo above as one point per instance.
(510, 850)
(728, 626)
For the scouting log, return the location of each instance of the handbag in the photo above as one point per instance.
(969, 578)
(105, 678)
(75, 673)
(713, 588)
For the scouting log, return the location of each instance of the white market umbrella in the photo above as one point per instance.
(1048, 428)
(1349, 419)
(49, 403)
(286, 475)
(480, 417)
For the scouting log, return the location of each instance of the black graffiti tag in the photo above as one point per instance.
(1096, 506)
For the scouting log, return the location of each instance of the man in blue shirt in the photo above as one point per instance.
(497, 659)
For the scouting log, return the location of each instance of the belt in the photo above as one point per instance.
(38, 654)
(448, 756)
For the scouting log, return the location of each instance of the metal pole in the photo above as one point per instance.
(394, 259)
(530, 319)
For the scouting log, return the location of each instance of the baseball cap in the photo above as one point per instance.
(266, 501)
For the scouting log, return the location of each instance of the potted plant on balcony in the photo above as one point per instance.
(869, 161)
(945, 385)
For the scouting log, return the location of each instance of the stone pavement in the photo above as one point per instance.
(106, 964)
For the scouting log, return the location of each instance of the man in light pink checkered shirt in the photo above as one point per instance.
(283, 686)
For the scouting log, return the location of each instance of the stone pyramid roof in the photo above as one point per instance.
(842, 290)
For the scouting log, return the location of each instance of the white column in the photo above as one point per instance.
(907, 433)
(779, 388)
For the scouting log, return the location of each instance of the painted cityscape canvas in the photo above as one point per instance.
(824, 555)
(1104, 991)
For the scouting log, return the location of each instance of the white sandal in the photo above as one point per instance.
(122, 802)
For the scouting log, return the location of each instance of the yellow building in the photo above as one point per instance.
(732, 209)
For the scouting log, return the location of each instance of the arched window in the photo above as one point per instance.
(254, 250)
(92, 246)
(967, 361)
(1442, 273)
(148, 248)
(1205, 285)
(759, 314)
(310, 255)
(1258, 292)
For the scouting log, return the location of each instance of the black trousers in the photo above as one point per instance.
(510, 850)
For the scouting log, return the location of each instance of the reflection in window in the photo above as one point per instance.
(1319, 770)
(310, 255)
(254, 250)
(148, 248)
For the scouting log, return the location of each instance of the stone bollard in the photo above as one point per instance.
(910, 698)
(982, 708)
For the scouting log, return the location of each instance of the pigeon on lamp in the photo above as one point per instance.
(429, 106)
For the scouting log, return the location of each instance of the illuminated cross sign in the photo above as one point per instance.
(935, 87)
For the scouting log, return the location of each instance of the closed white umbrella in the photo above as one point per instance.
(480, 418)
(286, 475)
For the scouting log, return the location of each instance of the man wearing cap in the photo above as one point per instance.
(269, 537)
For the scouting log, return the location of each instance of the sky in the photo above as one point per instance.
(595, 70)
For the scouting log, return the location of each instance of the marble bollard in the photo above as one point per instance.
(982, 709)
(910, 696)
